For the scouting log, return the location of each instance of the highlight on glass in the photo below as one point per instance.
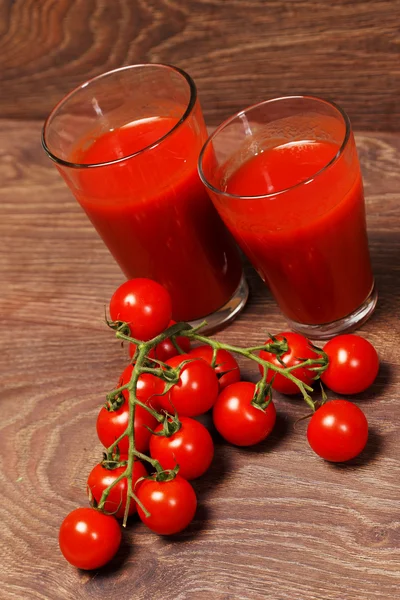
(127, 144)
(284, 176)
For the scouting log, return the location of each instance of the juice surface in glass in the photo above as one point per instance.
(308, 241)
(154, 214)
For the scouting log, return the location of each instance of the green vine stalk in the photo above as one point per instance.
(143, 364)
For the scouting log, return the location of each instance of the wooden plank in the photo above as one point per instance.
(238, 51)
(274, 521)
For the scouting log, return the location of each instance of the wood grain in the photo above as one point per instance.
(273, 522)
(238, 51)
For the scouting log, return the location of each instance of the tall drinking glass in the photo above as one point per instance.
(127, 144)
(284, 176)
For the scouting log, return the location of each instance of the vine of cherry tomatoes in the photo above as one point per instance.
(149, 418)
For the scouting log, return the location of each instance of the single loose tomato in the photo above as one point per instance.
(100, 478)
(88, 538)
(191, 447)
(196, 390)
(171, 504)
(165, 349)
(144, 304)
(353, 364)
(237, 420)
(226, 367)
(111, 424)
(299, 350)
(338, 431)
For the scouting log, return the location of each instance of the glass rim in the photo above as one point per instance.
(189, 108)
(240, 113)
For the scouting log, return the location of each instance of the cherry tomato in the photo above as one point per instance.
(196, 390)
(226, 367)
(100, 478)
(144, 304)
(149, 387)
(353, 364)
(299, 350)
(111, 424)
(171, 504)
(88, 538)
(191, 447)
(165, 349)
(237, 420)
(338, 431)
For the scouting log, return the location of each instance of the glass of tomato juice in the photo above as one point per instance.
(285, 177)
(127, 144)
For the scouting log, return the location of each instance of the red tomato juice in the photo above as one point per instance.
(154, 214)
(308, 243)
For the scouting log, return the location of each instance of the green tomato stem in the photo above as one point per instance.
(111, 395)
(150, 410)
(176, 345)
(139, 503)
(144, 349)
(107, 491)
(285, 371)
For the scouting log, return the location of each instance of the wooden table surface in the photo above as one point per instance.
(238, 51)
(273, 522)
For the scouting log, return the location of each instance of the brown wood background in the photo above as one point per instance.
(273, 522)
(238, 51)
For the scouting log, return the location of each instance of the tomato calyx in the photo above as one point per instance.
(114, 402)
(119, 326)
(321, 363)
(161, 475)
(171, 425)
(262, 395)
(277, 347)
(166, 475)
(317, 365)
(113, 460)
(172, 374)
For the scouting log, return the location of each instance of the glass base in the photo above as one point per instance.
(226, 313)
(345, 325)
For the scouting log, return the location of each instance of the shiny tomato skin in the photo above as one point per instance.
(144, 304)
(191, 447)
(237, 420)
(353, 364)
(88, 538)
(225, 363)
(100, 478)
(338, 431)
(111, 424)
(171, 504)
(196, 390)
(165, 349)
(299, 348)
